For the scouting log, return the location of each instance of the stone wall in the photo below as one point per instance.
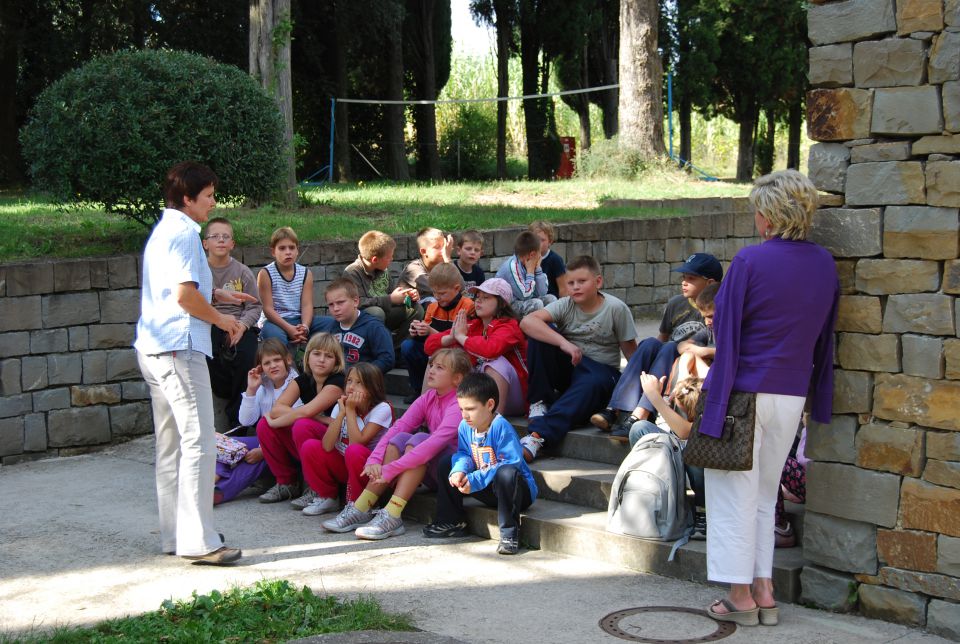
(883, 503)
(69, 379)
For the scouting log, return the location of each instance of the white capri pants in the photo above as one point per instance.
(186, 449)
(740, 505)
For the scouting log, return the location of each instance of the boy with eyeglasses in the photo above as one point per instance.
(231, 361)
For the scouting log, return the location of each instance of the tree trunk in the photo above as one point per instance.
(768, 151)
(425, 116)
(534, 109)
(793, 140)
(503, 87)
(641, 94)
(685, 114)
(270, 28)
(11, 33)
(583, 103)
(610, 105)
(341, 133)
(745, 146)
(394, 121)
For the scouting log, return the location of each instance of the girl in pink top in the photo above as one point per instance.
(402, 458)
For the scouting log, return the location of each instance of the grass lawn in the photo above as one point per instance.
(31, 227)
(270, 611)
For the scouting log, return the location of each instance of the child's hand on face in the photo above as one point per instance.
(254, 380)
(651, 385)
(356, 400)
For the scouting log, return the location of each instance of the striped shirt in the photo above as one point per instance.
(173, 256)
(286, 293)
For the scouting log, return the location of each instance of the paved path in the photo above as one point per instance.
(78, 544)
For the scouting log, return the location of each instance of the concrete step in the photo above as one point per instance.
(579, 531)
(576, 481)
(397, 382)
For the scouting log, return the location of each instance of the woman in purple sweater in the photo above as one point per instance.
(774, 320)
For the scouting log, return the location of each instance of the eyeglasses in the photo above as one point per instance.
(220, 237)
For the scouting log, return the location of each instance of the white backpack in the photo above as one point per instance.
(649, 495)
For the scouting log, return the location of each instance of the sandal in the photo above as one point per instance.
(741, 617)
(769, 616)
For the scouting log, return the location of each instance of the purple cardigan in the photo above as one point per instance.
(773, 323)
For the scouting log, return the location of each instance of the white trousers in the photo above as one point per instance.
(740, 505)
(186, 449)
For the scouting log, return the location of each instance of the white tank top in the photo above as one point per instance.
(286, 294)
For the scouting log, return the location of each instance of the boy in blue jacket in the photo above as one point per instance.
(488, 465)
(363, 337)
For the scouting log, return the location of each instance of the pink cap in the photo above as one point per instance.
(494, 286)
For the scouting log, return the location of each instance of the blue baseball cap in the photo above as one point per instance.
(702, 264)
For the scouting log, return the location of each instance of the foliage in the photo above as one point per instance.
(270, 611)
(467, 149)
(606, 159)
(108, 132)
(31, 228)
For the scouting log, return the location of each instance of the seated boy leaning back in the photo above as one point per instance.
(488, 466)
(574, 348)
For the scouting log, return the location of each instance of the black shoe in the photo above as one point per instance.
(445, 530)
(699, 526)
(622, 428)
(508, 547)
(604, 420)
(219, 557)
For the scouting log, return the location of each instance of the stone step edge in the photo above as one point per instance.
(573, 530)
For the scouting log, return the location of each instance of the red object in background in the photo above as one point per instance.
(565, 171)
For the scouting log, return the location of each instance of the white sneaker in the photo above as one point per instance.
(537, 409)
(304, 499)
(382, 526)
(349, 519)
(532, 444)
(321, 505)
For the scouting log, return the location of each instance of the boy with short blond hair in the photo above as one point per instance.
(447, 288)
(363, 337)
(370, 272)
(231, 360)
(469, 252)
(435, 249)
(525, 277)
(574, 364)
(286, 292)
(551, 263)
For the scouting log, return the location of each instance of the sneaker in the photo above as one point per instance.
(622, 428)
(349, 519)
(445, 530)
(537, 409)
(605, 419)
(280, 492)
(699, 526)
(531, 445)
(382, 526)
(321, 505)
(508, 547)
(303, 500)
(784, 537)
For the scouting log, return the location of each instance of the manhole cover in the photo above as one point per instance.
(619, 625)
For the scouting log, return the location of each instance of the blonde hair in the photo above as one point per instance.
(473, 236)
(686, 393)
(787, 199)
(282, 233)
(445, 276)
(455, 360)
(374, 243)
(426, 234)
(324, 342)
(544, 227)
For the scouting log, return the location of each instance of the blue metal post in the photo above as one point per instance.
(333, 113)
(670, 107)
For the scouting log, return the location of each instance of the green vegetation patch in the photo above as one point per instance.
(270, 611)
(31, 227)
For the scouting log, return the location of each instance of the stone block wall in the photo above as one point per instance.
(69, 379)
(883, 501)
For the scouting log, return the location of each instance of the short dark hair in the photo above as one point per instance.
(345, 284)
(526, 243)
(186, 179)
(480, 387)
(584, 261)
(707, 295)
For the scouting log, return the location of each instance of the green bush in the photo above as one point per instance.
(108, 131)
(476, 133)
(607, 160)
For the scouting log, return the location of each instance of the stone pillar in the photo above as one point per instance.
(883, 503)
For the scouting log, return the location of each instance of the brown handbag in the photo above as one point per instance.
(733, 450)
